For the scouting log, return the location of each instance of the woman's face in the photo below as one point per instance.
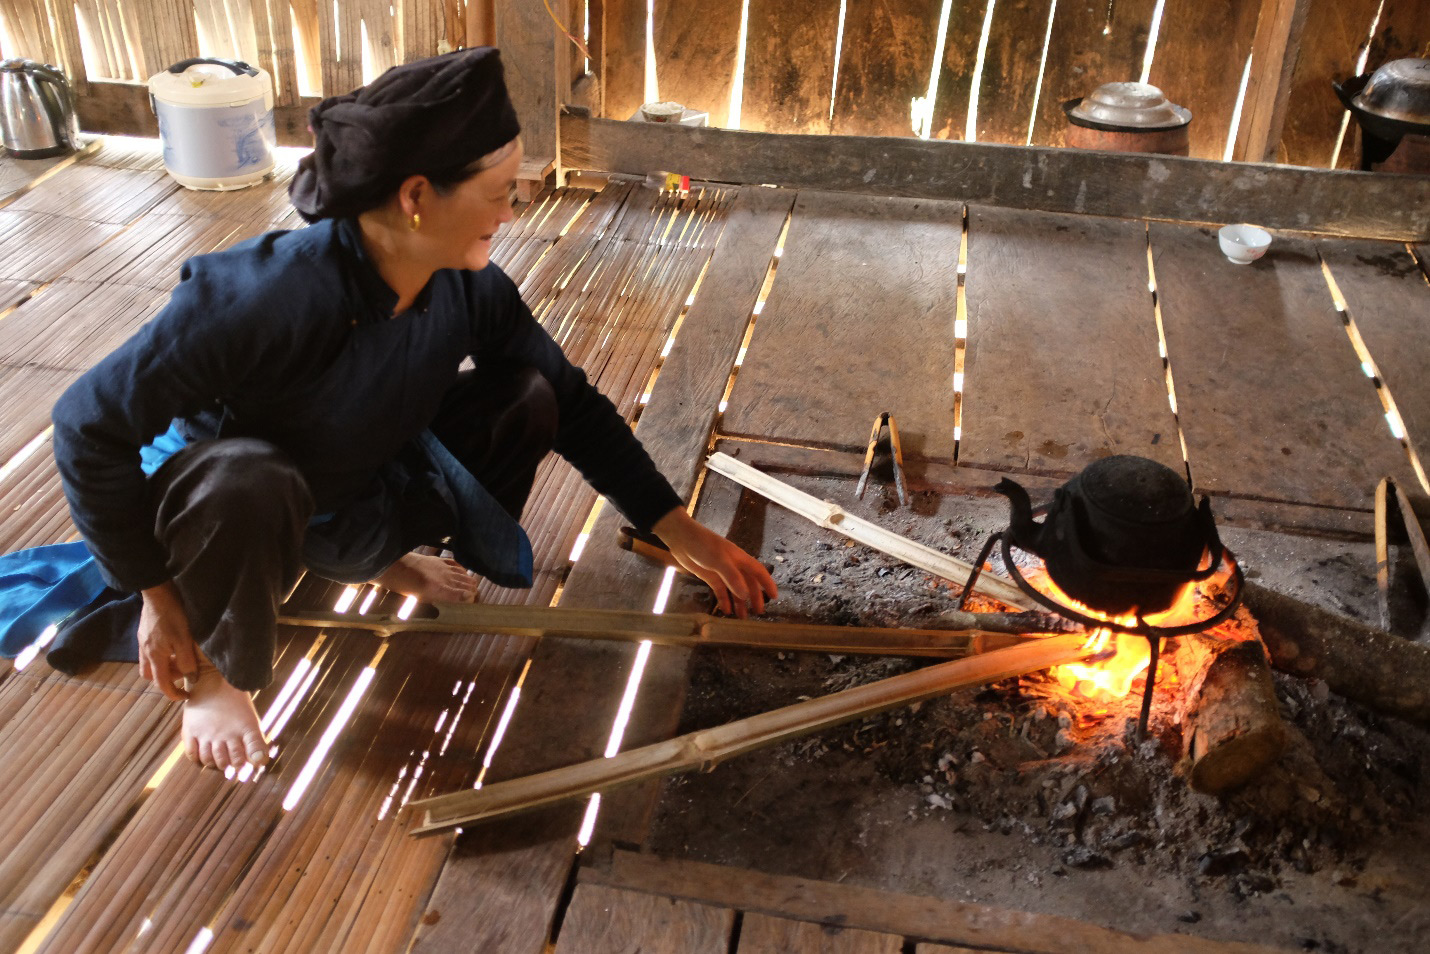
(462, 223)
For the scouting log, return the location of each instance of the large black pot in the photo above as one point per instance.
(1123, 535)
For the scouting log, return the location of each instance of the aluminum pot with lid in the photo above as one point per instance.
(1131, 107)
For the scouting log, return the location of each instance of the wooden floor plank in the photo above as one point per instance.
(1271, 396)
(762, 934)
(604, 920)
(863, 303)
(1388, 298)
(1062, 365)
(978, 926)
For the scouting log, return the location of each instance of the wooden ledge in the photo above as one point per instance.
(913, 916)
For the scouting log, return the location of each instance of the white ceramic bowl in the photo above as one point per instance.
(1243, 244)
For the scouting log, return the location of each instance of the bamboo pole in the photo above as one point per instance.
(834, 517)
(707, 748)
(976, 632)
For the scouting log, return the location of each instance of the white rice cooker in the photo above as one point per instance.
(216, 122)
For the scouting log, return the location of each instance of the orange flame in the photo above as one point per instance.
(1121, 658)
(1110, 677)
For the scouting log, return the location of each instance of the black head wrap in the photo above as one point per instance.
(433, 117)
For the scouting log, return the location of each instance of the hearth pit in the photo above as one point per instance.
(1121, 545)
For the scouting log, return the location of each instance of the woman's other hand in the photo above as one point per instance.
(739, 581)
(166, 648)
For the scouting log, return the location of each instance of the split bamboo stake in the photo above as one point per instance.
(980, 632)
(834, 517)
(707, 748)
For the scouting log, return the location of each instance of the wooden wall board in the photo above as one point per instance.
(531, 60)
(39, 246)
(1403, 31)
(982, 927)
(623, 82)
(695, 54)
(1388, 299)
(1062, 366)
(1198, 62)
(863, 302)
(960, 59)
(762, 934)
(604, 920)
(1271, 396)
(888, 52)
(789, 66)
(1093, 42)
(1360, 204)
(1335, 32)
(1011, 70)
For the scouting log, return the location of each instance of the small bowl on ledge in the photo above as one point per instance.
(1243, 244)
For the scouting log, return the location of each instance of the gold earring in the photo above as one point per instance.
(416, 222)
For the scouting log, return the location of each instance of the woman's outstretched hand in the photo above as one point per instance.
(739, 581)
(166, 647)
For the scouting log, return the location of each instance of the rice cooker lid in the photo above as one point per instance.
(209, 82)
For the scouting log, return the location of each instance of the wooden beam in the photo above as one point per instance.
(1056, 180)
(537, 73)
(835, 517)
(1273, 65)
(707, 748)
(978, 926)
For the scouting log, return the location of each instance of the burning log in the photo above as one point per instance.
(1373, 667)
(1231, 723)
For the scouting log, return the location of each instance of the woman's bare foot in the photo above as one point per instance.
(221, 726)
(430, 579)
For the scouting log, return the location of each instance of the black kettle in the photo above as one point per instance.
(37, 116)
(1124, 534)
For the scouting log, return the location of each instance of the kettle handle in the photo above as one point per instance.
(66, 124)
(238, 66)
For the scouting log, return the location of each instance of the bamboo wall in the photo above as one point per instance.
(991, 70)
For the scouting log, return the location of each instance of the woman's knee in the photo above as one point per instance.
(245, 480)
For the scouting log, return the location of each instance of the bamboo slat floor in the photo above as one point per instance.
(180, 859)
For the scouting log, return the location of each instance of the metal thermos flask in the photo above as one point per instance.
(37, 117)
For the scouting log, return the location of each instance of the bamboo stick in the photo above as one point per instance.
(984, 632)
(707, 748)
(834, 517)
